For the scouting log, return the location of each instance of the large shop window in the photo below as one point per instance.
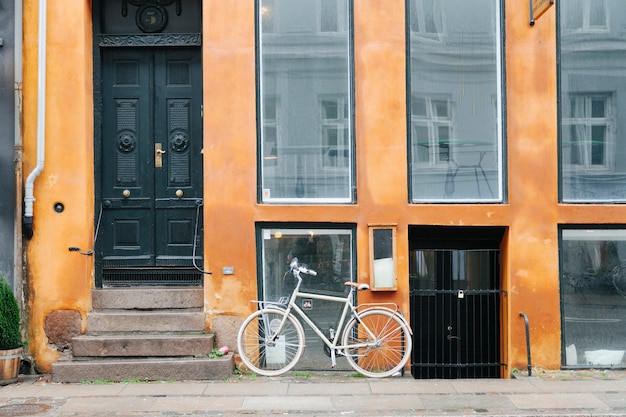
(327, 250)
(455, 100)
(592, 89)
(306, 136)
(593, 291)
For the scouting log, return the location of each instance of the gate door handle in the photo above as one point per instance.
(450, 337)
(158, 155)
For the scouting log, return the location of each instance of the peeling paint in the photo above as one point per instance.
(51, 181)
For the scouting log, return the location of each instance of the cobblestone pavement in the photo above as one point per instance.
(597, 393)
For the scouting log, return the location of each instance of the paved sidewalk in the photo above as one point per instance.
(325, 394)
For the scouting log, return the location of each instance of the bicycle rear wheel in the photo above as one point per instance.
(386, 353)
(270, 357)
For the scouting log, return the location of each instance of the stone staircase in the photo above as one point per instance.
(144, 333)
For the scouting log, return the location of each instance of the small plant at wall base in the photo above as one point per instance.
(10, 335)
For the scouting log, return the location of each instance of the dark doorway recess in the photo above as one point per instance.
(456, 300)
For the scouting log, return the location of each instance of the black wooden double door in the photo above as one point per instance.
(151, 166)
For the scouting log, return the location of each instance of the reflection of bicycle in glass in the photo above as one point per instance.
(376, 339)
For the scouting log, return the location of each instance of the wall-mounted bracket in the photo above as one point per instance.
(538, 8)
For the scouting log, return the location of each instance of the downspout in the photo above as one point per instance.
(29, 197)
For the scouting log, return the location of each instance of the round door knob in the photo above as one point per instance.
(179, 193)
(126, 193)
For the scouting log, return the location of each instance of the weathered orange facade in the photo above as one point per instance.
(62, 280)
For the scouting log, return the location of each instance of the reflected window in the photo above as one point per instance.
(335, 132)
(425, 18)
(431, 130)
(592, 85)
(585, 15)
(455, 101)
(306, 142)
(587, 135)
(593, 291)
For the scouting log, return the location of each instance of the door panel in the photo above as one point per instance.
(178, 183)
(151, 176)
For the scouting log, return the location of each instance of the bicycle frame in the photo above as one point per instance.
(293, 307)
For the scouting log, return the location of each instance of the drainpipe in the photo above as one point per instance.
(29, 197)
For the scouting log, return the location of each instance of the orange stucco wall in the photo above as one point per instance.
(59, 279)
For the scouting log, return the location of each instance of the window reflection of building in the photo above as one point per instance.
(431, 129)
(335, 132)
(304, 57)
(593, 282)
(271, 130)
(425, 17)
(585, 15)
(456, 100)
(592, 91)
(588, 132)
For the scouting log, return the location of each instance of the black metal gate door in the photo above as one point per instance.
(455, 314)
(151, 176)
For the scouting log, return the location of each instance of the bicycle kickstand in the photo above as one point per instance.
(333, 357)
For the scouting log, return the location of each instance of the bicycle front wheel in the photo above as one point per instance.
(270, 357)
(385, 339)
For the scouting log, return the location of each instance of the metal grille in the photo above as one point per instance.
(455, 314)
(127, 277)
(456, 337)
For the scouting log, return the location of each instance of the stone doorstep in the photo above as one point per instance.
(153, 369)
(148, 298)
(141, 345)
(145, 321)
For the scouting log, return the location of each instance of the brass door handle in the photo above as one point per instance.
(158, 155)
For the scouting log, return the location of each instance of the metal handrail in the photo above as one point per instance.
(530, 366)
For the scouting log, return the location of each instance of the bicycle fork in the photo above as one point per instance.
(273, 329)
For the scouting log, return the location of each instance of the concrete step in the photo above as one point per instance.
(153, 369)
(106, 321)
(144, 334)
(142, 345)
(148, 298)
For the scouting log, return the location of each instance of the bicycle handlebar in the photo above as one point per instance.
(296, 267)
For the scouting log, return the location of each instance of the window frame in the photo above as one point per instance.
(585, 232)
(379, 271)
(263, 194)
(262, 227)
(501, 193)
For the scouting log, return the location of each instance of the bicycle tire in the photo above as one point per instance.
(270, 358)
(392, 345)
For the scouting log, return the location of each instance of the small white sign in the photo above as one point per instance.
(276, 354)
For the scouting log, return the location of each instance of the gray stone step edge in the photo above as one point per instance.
(153, 369)
(155, 321)
(148, 298)
(141, 345)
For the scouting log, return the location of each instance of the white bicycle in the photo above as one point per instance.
(376, 338)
